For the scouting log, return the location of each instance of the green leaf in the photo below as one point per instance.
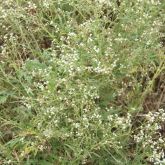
(4, 94)
(3, 99)
(34, 64)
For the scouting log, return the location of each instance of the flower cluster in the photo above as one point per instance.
(151, 136)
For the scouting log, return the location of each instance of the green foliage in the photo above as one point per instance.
(74, 78)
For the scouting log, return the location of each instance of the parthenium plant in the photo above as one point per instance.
(74, 76)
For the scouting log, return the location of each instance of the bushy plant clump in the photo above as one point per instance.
(74, 78)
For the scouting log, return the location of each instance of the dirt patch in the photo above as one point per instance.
(156, 99)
